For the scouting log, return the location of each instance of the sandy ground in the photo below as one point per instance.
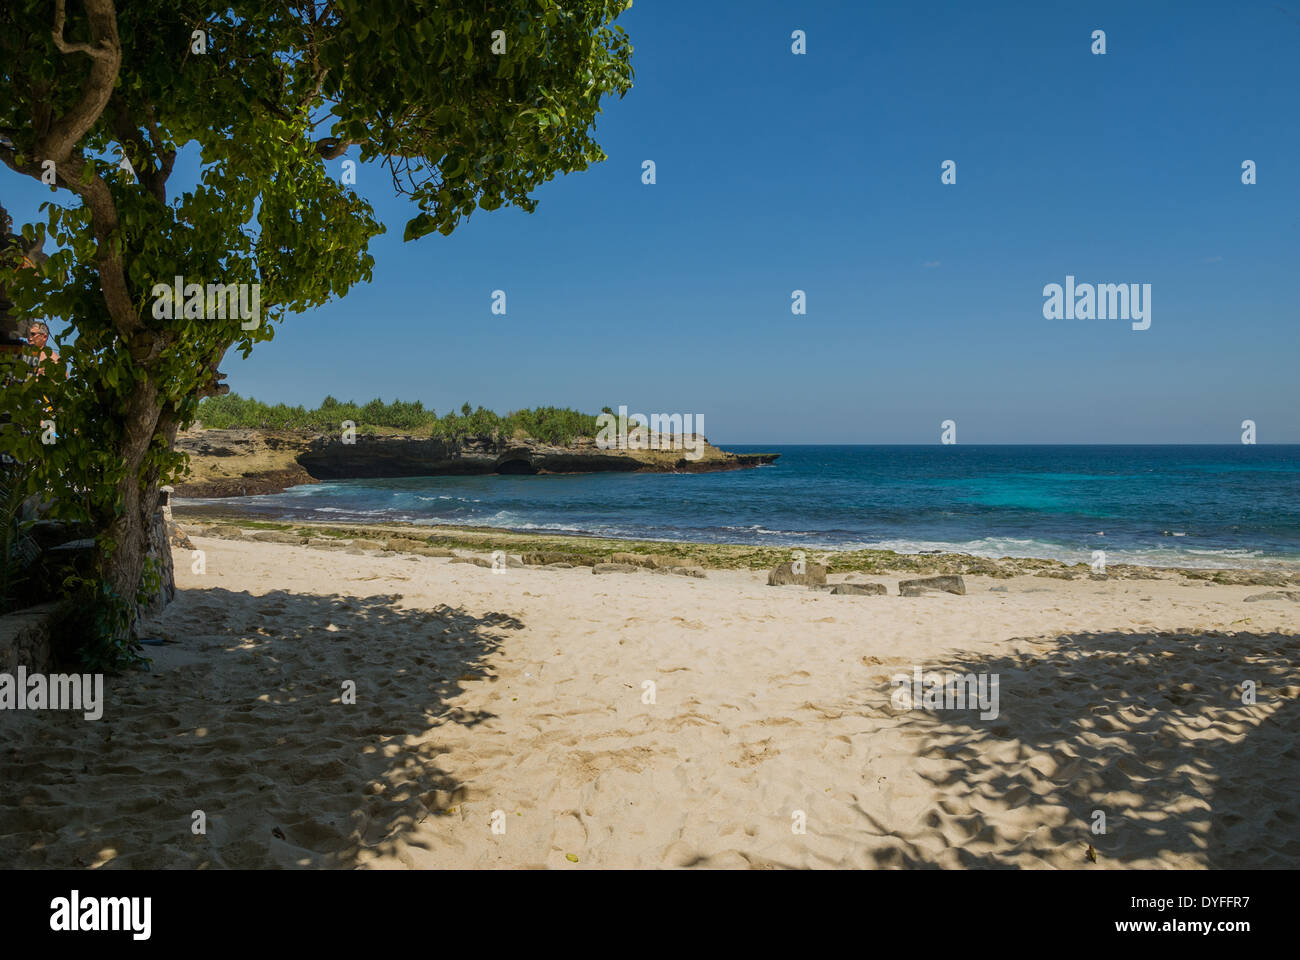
(501, 720)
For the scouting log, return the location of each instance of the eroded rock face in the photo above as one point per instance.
(397, 456)
(243, 462)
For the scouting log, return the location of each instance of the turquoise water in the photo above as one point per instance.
(1203, 505)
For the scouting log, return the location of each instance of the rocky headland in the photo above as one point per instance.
(245, 462)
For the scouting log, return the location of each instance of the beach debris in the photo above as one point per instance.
(571, 857)
(945, 584)
(784, 573)
(860, 589)
(1091, 854)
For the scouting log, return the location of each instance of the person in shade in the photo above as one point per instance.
(37, 353)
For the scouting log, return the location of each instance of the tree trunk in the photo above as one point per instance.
(137, 493)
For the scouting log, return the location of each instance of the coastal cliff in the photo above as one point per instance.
(244, 462)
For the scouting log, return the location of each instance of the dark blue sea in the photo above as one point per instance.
(1202, 505)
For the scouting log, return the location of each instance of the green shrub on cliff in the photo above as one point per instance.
(557, 425)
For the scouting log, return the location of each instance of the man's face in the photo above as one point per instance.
(36, 337)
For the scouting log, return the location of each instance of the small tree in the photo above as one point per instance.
(467, 105)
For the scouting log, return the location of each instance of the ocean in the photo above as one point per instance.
(1192, 506)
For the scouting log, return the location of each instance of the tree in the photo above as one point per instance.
(468, 105)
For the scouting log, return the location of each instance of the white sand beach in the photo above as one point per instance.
(516, 698)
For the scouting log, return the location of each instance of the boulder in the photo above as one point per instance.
(782, 574)
(477, 561)
(615, 568)
(944, 584)
(859, 589)
(1283, 595)
(367, 545)
(177, 537)
(668, 563)
(277, 536)
(691, 571)
(224, 531)
(635, 559)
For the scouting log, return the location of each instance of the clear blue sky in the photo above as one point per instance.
(822, 172)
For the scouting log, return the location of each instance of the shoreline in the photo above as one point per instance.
(724, 556)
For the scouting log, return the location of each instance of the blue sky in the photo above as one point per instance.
(821, 172)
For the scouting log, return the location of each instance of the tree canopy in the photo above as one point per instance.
(467, 105)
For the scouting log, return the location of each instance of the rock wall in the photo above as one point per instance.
(25, 639)
(160, 551)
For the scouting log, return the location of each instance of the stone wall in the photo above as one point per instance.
(25, 639)
(160, 551)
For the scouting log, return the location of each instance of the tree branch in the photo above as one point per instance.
(108, 257)
(151, 173)
(106, 55)
(100, 51)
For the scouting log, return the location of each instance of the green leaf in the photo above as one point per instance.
(418, 227)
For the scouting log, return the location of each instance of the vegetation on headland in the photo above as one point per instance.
(556, 425)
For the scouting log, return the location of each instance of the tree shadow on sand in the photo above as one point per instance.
(246, 720)
(1149, 728)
